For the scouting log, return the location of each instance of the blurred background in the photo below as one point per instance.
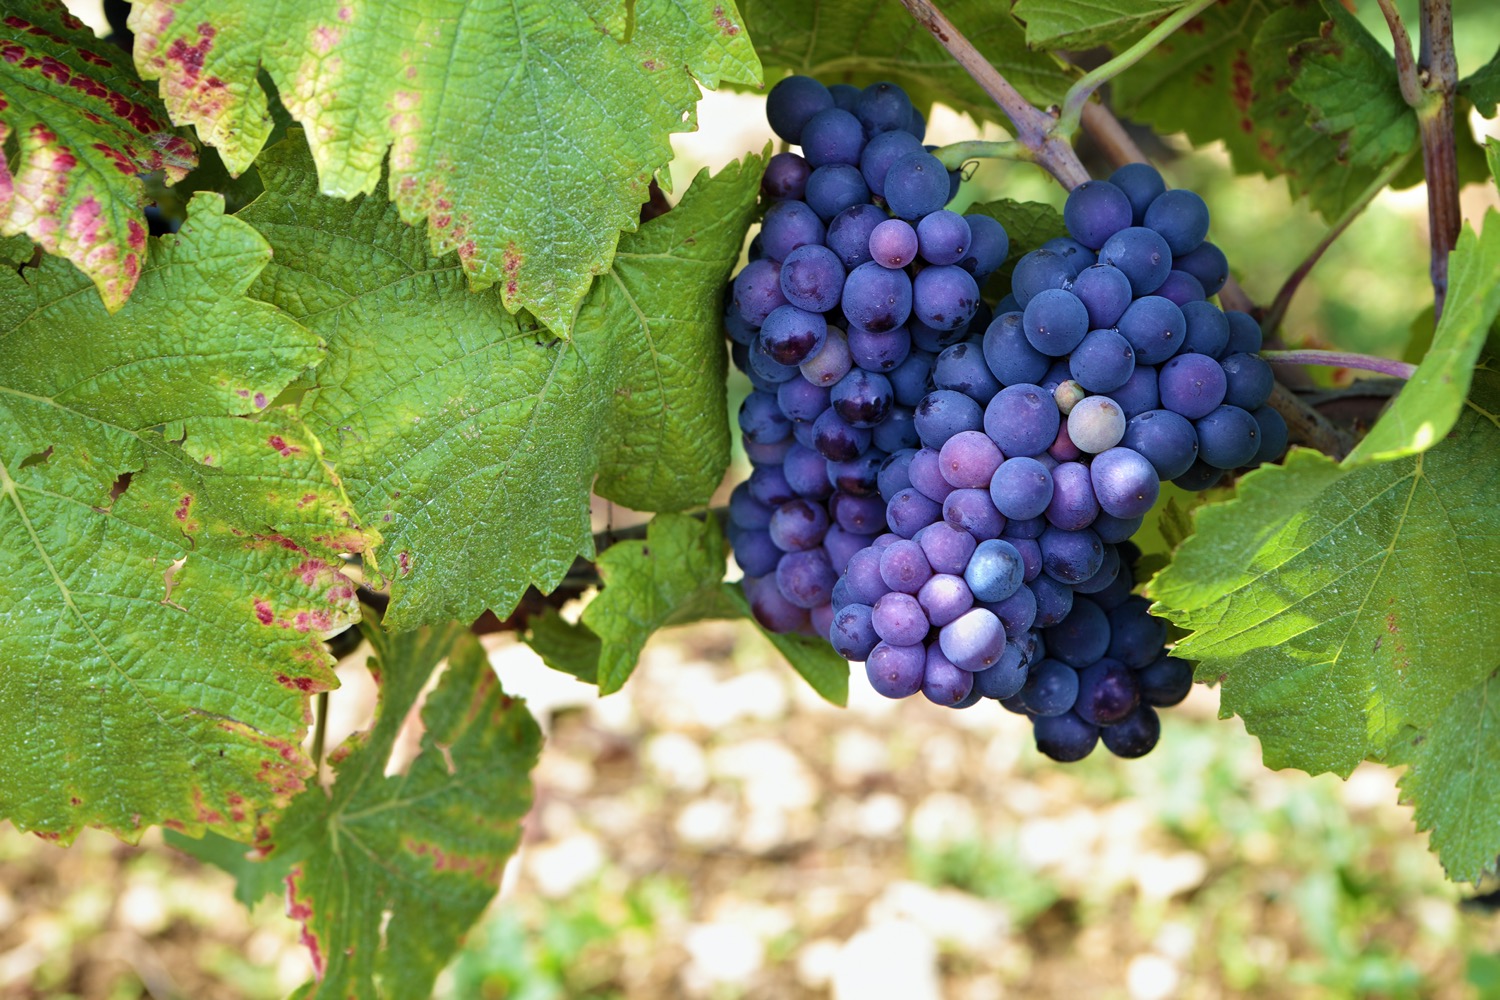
(716, 831)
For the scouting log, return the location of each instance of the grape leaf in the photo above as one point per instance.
(1482, 87)
(670, 577)
(1429, 403)
(83, 126)
(469, 437)
(1336, 606)
(1077, 24)
(862, 41)
(387, 872)
(254, 877)
(159, 653)
(1029, 224)
(673, 577)
(1349, 85)
(526, 134)
(1452, 780)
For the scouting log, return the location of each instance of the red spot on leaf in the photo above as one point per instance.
(308, 499)
(725, 24)
(304, 684)
(260, 401)
(181, 513)
(403, 559)
(279, 443)
(299, 908)
(263, 612)
(311, 569)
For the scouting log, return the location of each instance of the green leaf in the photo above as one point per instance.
(1429, 404)
(1077, 24)
(254, 877)
(1029, 224)
(1492, 156)
(470, 437)
(1349, 85)
(565, 646)
(387, 872)
(825, 671)
(16, 251)
(526, 134)
(82, 127)
(863, 41)
(1453, 782)
(1482, 87)
(1336, 606)
(158, 652)
(671, 577)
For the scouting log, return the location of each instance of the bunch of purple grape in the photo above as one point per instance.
(946, 496)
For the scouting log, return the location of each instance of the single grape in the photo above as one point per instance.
(859, 475)
(1009, 355)
(1081, 638)
(927, 475)
(800, 399)
(862, 575)
(1125, 483)
(787, 226)
(909, 512)
(899, 619)
(1114, 530)
(1248, 381)
(769, 454)
(1050, 689)
(897, 432)
(755, 552)
(1018, 612)
(1068, 395)
(1166, 439)
(915, 185)
(761, 419)
(841, 546)
(1208, 264)
(1201, 476)
(1181, 217)
(893, 243)
(879, 352)
(883, 107)
(1071, 556)
(745, 511)
(806, 473)
(1055, 321)
(880, 152)
(1136, 637)
(1073, 506)
(1142, 254)
(757, 291)
(1244, 334)
(1135, 735)
(1065, 738)
(969, 459)
(1139, 393)
(1105, 293)
(1107, 571)
(861, 515)
(1037, 272)
(785, 178)
(943, 683)
(862, 398)
(1273, 435)
(973, 641)
(812, 278)
(896, 671)
(1155, 328)
(1192, 385)
(836, 439)
(849, 234)
(989, 246)
(1053, 600)
(1096, 424)
(771, 609)
(768, 485)
(945, 297)
(963, 368)
(995, 570)
(852, 633)
(1181, 288)
(1022, 420)
(1095, 211)
(1107, 692)
(1076, 254)
(1228, 437)
(806, 578)
(944, 597)
(1103, 362)
(792, 102)
(944, 237)
(1165, 682)
(845, 96)
(948, 549)
(832, 362)
(974, 512)
(876, 298)
(944, 413)
(832, 136)
(1021, 488)
(1207, 329)
(895, 473)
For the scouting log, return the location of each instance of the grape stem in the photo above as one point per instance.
(957, 154)
(1034, 128)
(320, 732)
(1305, 425)
(1078, 95)
(1342, 359)
(1277, 310)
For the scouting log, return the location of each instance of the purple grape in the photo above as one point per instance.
(787, 226)
(769, 454)
(1065, 738)
(1073, 506)
(768, 485)
(1181, 288)
(1081, 638)
(841, 546)
(849, 234)
(1139, 393)
(1103, 362)
(944, 237)
(876, 298)
(1141, 183)
(792, 102)
(831, 363)
(1114, 530)
(880, 152)
(852, 634)
(925, 338)
(1118, 590)
(1200, 477)
(1192, 385)
(879, 352)
(1135, 735)
(756, 553)
(1031, 555)
(989, 245)
(845, 96)
(1076, 254)
(899, 619)
(927, 475)
(790, 335)
(1055, 322)
(893, 243)
(798, 524)
(974, 512)
(785, 178)
(747, 512)
(1248, 381)
(896, 671)
(1022, 419)
(1005, 678)
(1208, 264)
(895, 473)
(774, 612)
(995, 570)
(1124, 482)
(968, 460)
(883, 107)
(1095, 211)
(1166, 439)
(834, 187)
(1244, 334)
(948, 549)
(915, 185)
(832, 136)
(962, 368)
(1107, 692)
(806, 578)
(1136, 637)
(912, 378)
(944, 597)
(812, 278)
(866, 586)
(1181, 217)
(1165, 682)
(945, 297)
(1273, 435)
(897, 432)
(909, 512)
(1096, 424)
(1008, 353)
(1053, 600)
(904, 567)
(944, 413)
(943, 683)
(973, 641)
(1207, 329)
(1039, 271)
(801, 400)
(862, 399)
(757, 291)
(1155, 328)
(761, 419)
(1062, 450)
(1021, 488)
(1051, 689)
(1228, 437)
(859, 475)
(1071, 556)
(1107, 572)
(837, 440)
(1142, 254)
(1105, 293)
(1018, 612)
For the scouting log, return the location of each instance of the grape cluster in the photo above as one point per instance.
(855, 282)
(947, 492)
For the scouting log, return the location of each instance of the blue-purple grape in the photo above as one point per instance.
(1228, 437)
(1166, 439)
(1125, 483)
(792, 102)
(1192, 385)
(1141, 183)
(1009, 355)
(944, 237)
(1022, 419)
(1095, 211)
(1071, 556)
(1142, 254)
(1181, 217)
(896, 671)
(1248, 381)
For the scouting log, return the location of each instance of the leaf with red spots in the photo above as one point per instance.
(470, 439)
(83, 126)
(1077, 24)
(525, 134)
(865, 41)
(141, 684)
(1340, 608)
(386, 872)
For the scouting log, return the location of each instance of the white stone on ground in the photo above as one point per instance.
(559, 868)
(720, 954)
(677, 761)
(1151, 977)
(944, 818)
(947, 916)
